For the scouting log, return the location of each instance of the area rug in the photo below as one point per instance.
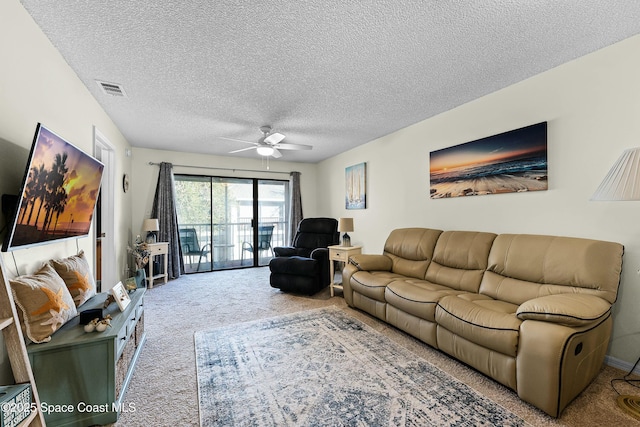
(324, 368)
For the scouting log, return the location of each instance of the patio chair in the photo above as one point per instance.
(191, 247)
(265, 233)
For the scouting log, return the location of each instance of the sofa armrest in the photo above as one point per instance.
(371, 262)
(284, 251)
(320, 254)
(565, 309)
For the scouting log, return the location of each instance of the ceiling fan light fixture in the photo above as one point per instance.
(265, 151)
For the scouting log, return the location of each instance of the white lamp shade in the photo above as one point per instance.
(345, 224)
(151, 224)
(623, 180)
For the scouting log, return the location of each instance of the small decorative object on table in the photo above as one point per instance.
(104, 324)
(87, 316)
(121, 296)
(140, 278)
(140, 254)
(98, 325)
(108, 301)
(91, 326)
(131, 284)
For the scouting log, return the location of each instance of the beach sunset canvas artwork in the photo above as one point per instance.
(59, 192)
(514, 161)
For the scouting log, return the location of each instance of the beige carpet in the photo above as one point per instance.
(164, 387)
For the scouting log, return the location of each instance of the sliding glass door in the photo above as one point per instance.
(273, 218)
(230, 222)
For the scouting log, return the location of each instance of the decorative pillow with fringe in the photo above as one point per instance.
(44, 303)
(76, 274)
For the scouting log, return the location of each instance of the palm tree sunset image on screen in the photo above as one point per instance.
(59, 192)
(514, 161)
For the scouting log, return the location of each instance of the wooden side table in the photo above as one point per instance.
(160, 248)
(342, 254)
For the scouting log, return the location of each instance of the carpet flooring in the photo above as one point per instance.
(164, 391)
(321, 368)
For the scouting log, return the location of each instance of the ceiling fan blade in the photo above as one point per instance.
(242, 149)
(276, 154)
(238, 140)
(274, 138)
(294, 147)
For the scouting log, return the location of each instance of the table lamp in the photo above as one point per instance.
(623, 183)
(151, 226)
(345, 224)
(623, 180)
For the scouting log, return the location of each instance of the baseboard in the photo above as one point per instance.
(621, 364)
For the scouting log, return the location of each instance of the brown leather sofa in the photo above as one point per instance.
(532, 312)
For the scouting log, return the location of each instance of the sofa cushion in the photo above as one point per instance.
(372, 283)
(565, 309)
(416, 297)
(295, 266)
(371, 262)
(460, 259)
(482, 320)
(551, 265)
(410, 250)
(316, 233)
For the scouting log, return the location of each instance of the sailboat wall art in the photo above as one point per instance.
(510, 162)
(356, 184)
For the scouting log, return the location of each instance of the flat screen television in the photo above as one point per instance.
(59, 191)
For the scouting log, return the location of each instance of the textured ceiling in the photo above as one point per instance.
(331, 74)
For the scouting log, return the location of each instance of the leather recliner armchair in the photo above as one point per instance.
(304, 267)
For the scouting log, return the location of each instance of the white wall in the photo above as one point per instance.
(592, 106)
(37, 85)
(145, 176)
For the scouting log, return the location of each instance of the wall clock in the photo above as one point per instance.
(125, 183)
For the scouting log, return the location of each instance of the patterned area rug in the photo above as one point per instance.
(324, 368)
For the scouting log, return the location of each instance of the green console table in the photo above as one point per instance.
(82, 377)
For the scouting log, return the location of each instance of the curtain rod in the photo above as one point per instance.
(224, 169)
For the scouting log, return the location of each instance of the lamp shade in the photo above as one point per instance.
(151, 224)
(345, 224)
(623, 180)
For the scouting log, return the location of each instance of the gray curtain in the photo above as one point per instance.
(296, 204)
(164, 208)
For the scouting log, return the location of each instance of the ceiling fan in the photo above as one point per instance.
(269, 144)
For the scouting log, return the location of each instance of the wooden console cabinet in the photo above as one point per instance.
(82, 377)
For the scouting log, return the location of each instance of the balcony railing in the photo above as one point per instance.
(225, 245)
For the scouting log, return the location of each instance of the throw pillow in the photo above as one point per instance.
(44, 303)
(76, 273)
